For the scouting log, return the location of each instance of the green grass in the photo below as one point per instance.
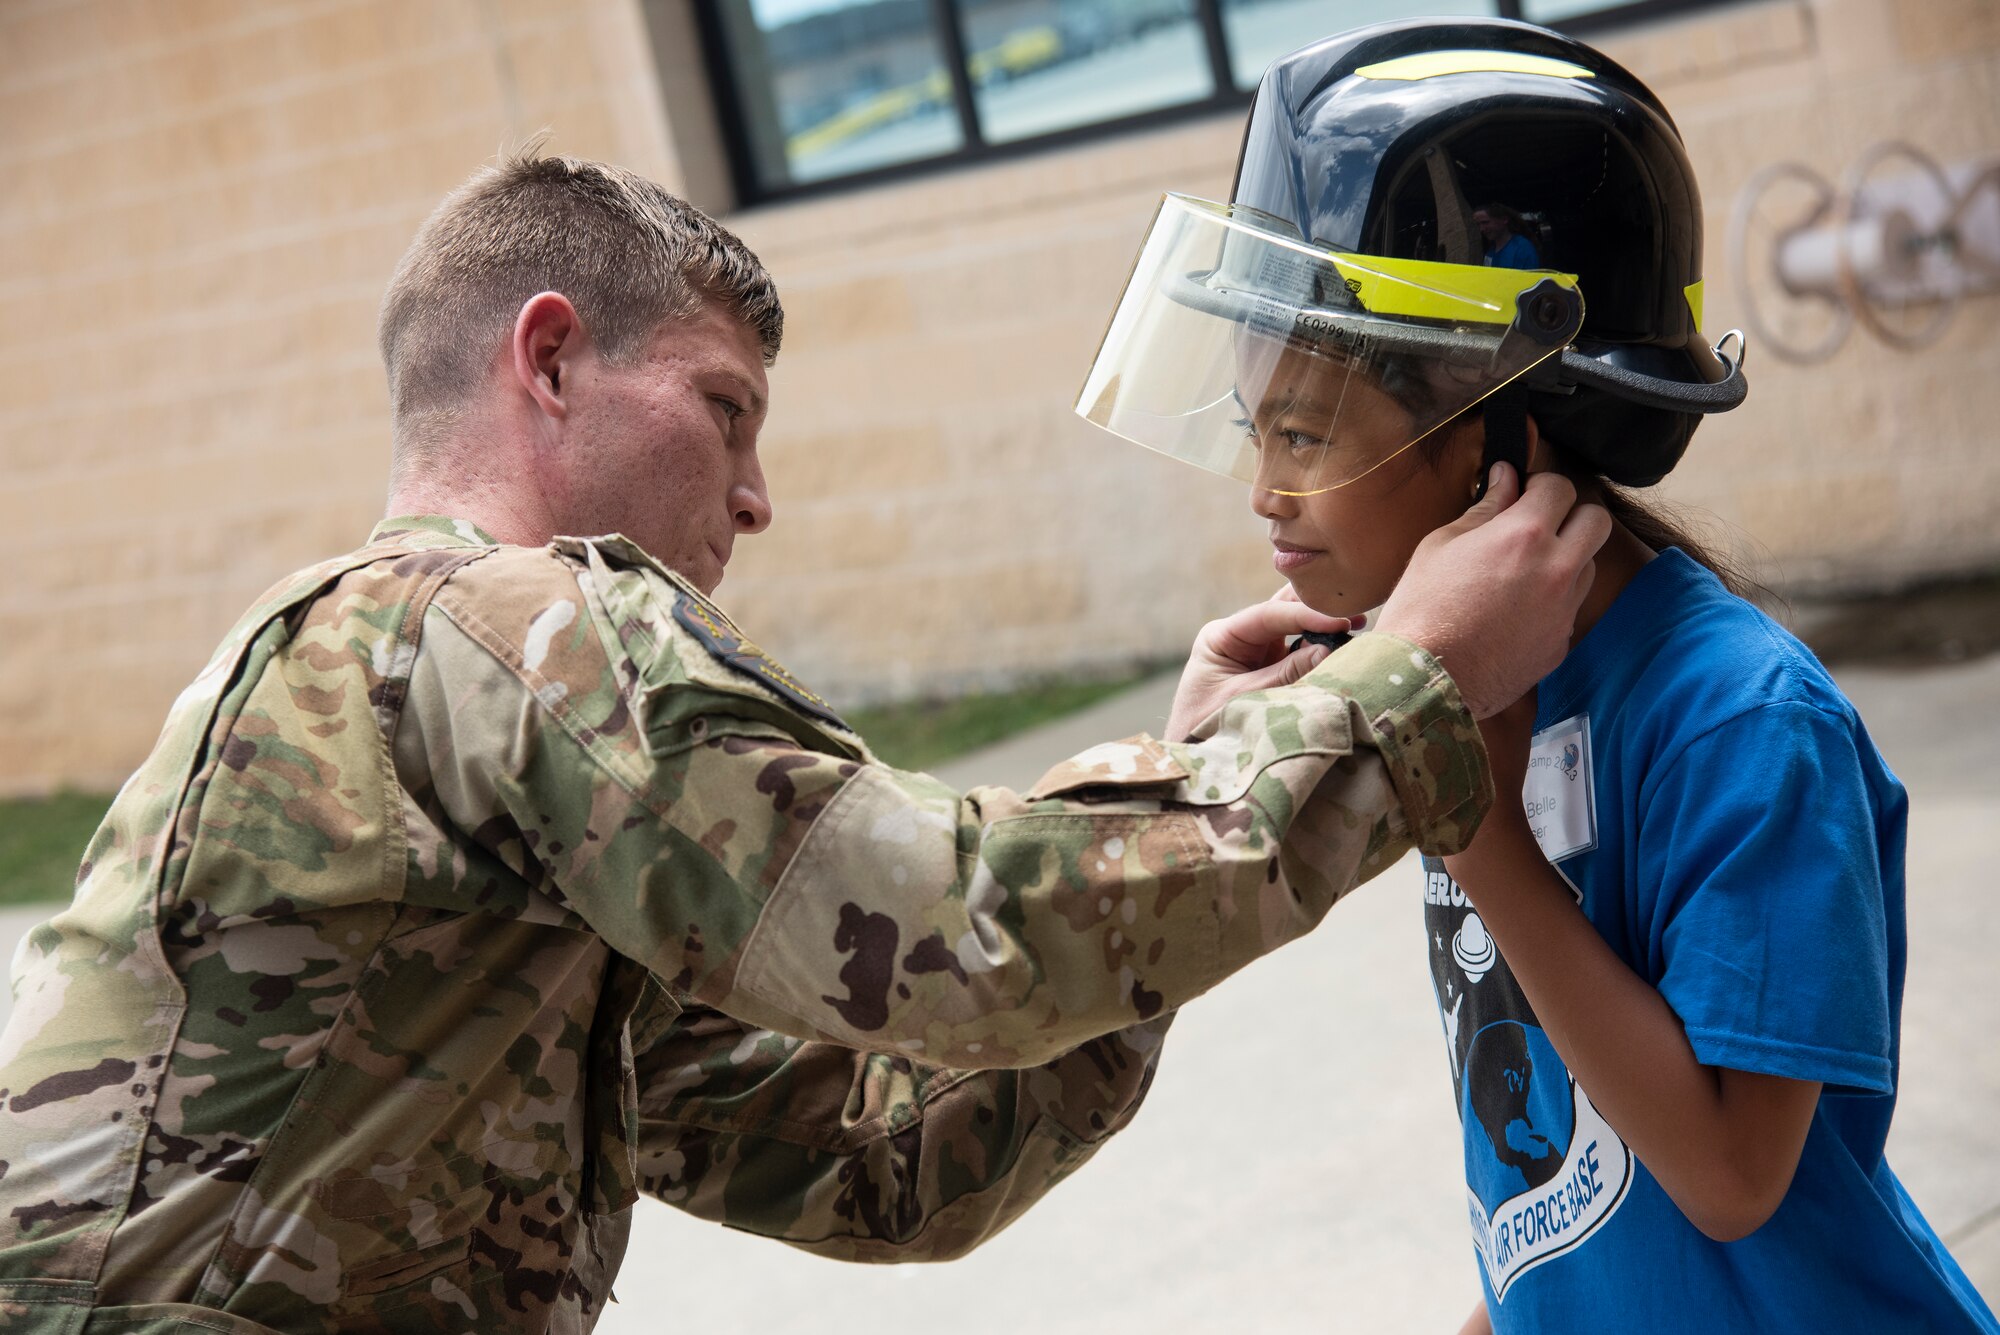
(42, 841)
(919, 734)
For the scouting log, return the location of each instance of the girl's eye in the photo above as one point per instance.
(1298, 442)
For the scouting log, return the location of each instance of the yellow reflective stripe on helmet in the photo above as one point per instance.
(1693, 291)
(1432, 290)
(1428, 64)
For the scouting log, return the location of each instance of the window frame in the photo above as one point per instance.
(975, 151)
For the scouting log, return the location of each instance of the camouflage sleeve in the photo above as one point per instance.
(864, 1156)
(766, 870)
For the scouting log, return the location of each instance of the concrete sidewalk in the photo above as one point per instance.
(1296, 1167)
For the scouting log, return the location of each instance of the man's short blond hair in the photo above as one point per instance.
(629, 255)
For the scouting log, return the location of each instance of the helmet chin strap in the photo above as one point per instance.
(1505, 412)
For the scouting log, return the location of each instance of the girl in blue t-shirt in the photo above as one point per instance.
(1670, 965)
(1669, 968)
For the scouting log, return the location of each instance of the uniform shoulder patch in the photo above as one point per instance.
(726, 643)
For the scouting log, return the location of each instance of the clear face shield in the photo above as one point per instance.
(1245, 350)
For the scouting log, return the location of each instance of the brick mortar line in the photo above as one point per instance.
(196, 455)
(239, 242)
(192, 187)
(960, 255)
(184, 392)
(238, 246)
(263, 166)
(268, 19)
(263, 510)
(195, 317)
(187, 584)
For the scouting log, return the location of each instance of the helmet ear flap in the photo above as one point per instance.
(1627, 443)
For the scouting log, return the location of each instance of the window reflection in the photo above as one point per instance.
(832, 87)
(1259, 31)
(1555, 11)
(1039, 66)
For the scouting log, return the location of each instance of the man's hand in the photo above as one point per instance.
(1494, 594)
(1245, 651)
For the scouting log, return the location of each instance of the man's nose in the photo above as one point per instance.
(750, 500)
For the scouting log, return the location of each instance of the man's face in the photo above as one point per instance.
(665, 450)
(1489, 226)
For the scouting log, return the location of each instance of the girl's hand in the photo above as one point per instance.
(1245, 651)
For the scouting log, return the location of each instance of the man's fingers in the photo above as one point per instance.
(1549, 497)
(1587, 525)
(1503, 488)
(1581, 588)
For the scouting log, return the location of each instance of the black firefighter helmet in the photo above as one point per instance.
(1431, 139)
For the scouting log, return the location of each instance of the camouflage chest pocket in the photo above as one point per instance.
(406, 1231)
(693, 676)
(676, 725)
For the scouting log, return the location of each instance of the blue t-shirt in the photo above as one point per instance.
(1729, 828)
(1518, 253)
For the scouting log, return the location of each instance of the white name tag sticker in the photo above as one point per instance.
(1560, 798)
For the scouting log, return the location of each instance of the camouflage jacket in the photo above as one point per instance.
(470, 890)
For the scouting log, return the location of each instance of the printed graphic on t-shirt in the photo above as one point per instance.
(1543, 1170)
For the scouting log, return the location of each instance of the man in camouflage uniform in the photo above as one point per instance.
(487, 877)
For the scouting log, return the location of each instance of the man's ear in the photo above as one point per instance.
(547, 341)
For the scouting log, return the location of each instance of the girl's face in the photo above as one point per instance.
(1343, 550)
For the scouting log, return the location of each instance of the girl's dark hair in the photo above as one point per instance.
(1660, 528)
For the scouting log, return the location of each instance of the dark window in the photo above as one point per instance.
(819, 92)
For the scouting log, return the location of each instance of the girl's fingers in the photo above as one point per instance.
(1249, 635)
(1300, 662)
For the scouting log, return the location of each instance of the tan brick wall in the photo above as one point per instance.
(1877, 466)
(203, 201)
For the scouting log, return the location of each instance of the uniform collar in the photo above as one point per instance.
(431, 531)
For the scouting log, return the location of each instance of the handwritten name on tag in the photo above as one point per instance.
(1559, 794)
